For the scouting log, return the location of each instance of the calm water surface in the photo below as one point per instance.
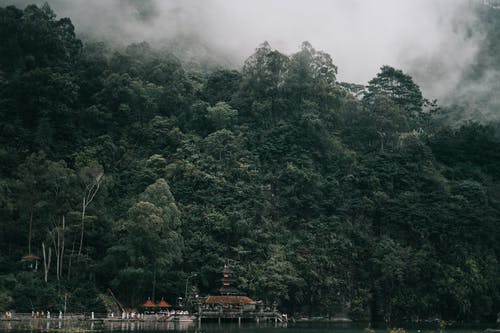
(36, 326)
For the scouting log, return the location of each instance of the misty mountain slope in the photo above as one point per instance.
(480, 85)
(136, 172)
(469, 90)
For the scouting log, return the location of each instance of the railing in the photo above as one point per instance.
(45, 315)
(236, 314)
(16, 316)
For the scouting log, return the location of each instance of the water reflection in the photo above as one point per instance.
(58, 326)
(34, 326)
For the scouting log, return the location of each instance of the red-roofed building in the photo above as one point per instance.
(229, 298)
(149, 306)
(230, 304)
(163, 304)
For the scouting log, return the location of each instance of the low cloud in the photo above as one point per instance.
(422, 37)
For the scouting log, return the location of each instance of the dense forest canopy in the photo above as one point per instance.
(123, 170)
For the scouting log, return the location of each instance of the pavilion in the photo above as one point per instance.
(149, 306)
(229, 298)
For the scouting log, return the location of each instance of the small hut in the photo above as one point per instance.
(31, 261)
(163, 305)
(149, 307)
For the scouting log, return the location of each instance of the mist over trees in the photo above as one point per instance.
(124, 169)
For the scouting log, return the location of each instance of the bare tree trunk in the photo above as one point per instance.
(89, 195)
(70, 259)
(56, 247)
(29, 233)
(84, 206)
(382, 137)
(62, 245)
(59, 247)
(46, 261)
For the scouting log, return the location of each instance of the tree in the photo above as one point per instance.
(399, 88)
(91, 176)
(34, 38)
(151, 242)
(45, 193)
(278, 276)
(263, 76)
(221, 115)
(386, 121)
(221, 85)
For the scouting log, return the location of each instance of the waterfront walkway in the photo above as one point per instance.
(257, 316)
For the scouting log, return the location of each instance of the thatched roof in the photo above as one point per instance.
(229, 300)
(149, 304)
(30, 257)
(163, 304)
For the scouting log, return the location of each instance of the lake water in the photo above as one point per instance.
(36, 326)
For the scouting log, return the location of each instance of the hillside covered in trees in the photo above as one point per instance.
(122, 169)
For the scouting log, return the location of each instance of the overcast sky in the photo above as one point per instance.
(361, 35)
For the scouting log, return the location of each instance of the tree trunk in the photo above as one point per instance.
(62, 245)
(56, 247)
(70, 259)
(88, 196)
(59, 247)
(46, 261)
(30, 228)
(84, 206)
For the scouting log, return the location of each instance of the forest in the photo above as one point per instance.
(125, 169)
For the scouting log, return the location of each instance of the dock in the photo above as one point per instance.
(256, 316)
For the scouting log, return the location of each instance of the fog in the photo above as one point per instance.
(421, 37)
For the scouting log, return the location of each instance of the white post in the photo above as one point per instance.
(92, 315)
(48, 314)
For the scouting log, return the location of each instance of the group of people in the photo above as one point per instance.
(43, 314)
(39, 314)
(34, 314)
(163, 312)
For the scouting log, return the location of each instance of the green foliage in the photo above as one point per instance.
(34, 38)
(324, 202)
(221, 115)
(398, 88)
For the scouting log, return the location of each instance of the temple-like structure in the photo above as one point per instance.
(228, 281)
(230, 303)
(229, 297)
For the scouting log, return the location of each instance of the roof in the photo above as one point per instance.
(229, 300)
(30, 257)
(229, 290)
(227, 280)
(163, 304)
(148, 304)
